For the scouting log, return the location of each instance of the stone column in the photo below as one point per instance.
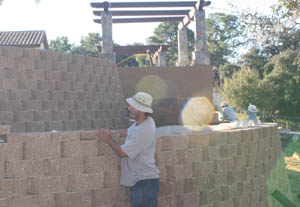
(107, 42)
(201, 55)
(161, 58)
(183, 55)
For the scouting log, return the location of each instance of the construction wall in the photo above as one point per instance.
(43, 91)
(199, 169)
(171, 88)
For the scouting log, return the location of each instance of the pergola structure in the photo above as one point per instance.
(194, 12)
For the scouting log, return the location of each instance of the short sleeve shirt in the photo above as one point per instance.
(140, 148)
(229, 114)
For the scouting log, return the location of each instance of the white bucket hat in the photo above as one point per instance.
(252, 108)
(224, 104)
(141, 101)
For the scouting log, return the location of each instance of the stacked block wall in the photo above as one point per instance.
(44, 91)
(74, 169)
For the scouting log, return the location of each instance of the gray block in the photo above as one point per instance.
(18, 127)
(45, 65)
(4, 95)
(10, 83)
(16, 106)
(77, 68)
(54, 125)
(60, 66)
(36, 126)
(40, 95)
(64, 105)
(23, 116)
(62, 86)
(42, 116)
(60, 115)
(5, 106)
(37, 74)
(46, 84)
(33, 105)
(50, 105)
(69, 76)
(6, 117)
(69, 95)
(71, 125)
(53, 75)
(74, 115)
(56, 95)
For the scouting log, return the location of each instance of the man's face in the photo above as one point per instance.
(133, 113)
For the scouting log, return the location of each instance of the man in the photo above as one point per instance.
(138, 170)
(228, 112)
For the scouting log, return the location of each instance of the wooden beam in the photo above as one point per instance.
(135, 49)
(140, 20)
(145, 4)
(145, 12)
(190, 16)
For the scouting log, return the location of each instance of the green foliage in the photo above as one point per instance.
(88, 45)
(254, 60)
(131, 60)
(61, 44)
(278, 92)
(166, 34)
(242, 89)
(227, 70)
(285, 82)
(224, 36)
(246, 88)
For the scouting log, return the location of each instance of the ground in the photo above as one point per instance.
(292, 161)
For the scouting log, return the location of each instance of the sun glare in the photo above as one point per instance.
(197, 112)
(154, 85)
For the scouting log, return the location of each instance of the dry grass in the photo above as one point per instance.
(292, 161)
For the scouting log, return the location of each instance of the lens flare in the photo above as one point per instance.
(153, 85)
(197, 112)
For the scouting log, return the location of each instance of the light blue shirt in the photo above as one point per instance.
(229, 114)
(140, 148)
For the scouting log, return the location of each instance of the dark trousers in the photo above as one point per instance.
(144, 193)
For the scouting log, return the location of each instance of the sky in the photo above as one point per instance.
(74, 18)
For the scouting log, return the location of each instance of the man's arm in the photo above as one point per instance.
(105, 134)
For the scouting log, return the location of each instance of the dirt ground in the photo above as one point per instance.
(293, 162)
(293, 172)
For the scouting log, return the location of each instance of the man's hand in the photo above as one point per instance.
(105, 135)
(123, 133)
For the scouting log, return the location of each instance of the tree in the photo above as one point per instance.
(254, 60)
(276, 32)
(61, 44)
(227, 70)
(225, 35)
(284, 79)
(166, 34)
(278, 92)
(88, 45)
(245, 88)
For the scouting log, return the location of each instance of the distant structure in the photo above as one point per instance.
(28, 39)
(195, 14)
